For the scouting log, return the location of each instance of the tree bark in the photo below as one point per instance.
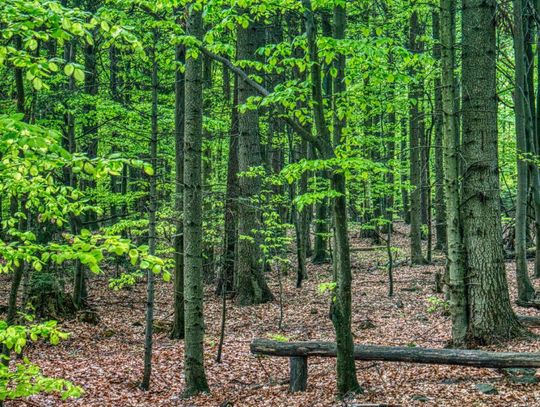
(341, 307)
(450, 146)
(440, 209)
(152, 209)
(415, 129)
(523, 125)
(226, 281)
(179, 103)
(193, 282)
(251, 286)
(490, 314)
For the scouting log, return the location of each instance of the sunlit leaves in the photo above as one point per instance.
(25, 379)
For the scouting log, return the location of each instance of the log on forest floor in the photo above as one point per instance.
(463, 357)
(533, 322)
(367, 249)
(529, 304)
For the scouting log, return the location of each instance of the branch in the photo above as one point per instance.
(297, 127)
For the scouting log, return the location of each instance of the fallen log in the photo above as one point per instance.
(462, 357)
(529, 304)
(533, 322)
(366, 249)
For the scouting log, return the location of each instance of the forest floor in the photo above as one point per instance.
(106, 359)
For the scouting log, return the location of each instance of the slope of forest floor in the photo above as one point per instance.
(106, 359)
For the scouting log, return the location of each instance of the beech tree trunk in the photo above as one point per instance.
(450, 144)
(523, 126)
(179, 94)
(440, 209)
(231, 204)
(415, 129)
(341, 307)
(152, 209)
(251, 286)
(193, 263)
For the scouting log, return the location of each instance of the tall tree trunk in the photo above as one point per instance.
(320, 246)
(90, 133)
(251, 286)
(152, 209)
(415, 130)
(523, 126)
(341, 307)
(534, 140)
(405, 196)
(179, 105)
(193, 283)
(450, 145)
(301, 223)
(226, 281)
(490, 314)
(440, 210)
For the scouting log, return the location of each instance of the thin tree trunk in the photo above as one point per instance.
(341, 307)
(440, 210)
(415, 130)
(226, 283)
(152, 209)
(523, 125)
(178, 319)
(450, 145)
(405, 197)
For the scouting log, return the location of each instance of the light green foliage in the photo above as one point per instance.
(329, 286)
(437, 304)
(278, 337)
(25, 379)
(273, 237)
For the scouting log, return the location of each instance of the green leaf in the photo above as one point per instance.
(79, 74)
(37, 84)
(148, 169)
(69, 69)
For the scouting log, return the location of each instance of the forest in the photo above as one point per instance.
(269, 203)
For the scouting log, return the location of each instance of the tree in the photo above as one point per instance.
(193, 282)
(524, 125)
(415, 136)
(341, 307)
(490, 315)
(152, 209)
(450, 145)
(179, 102)
(440, 210)
(251, 287)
